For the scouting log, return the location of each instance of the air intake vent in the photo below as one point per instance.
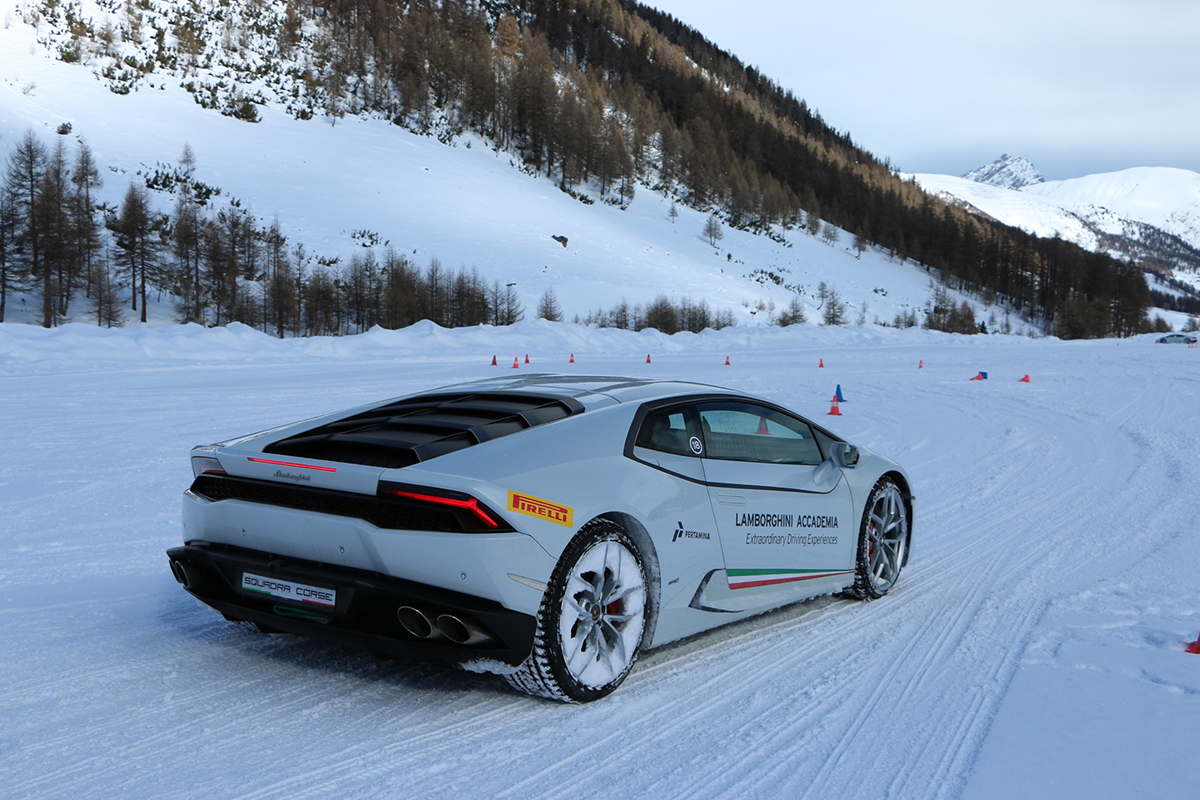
(420, 428)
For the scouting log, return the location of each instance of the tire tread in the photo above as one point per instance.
(535, 676)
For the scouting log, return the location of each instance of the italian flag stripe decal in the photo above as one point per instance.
(749, 578)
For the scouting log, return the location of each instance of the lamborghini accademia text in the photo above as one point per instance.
(547, 528)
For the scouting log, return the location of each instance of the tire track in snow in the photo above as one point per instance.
(1021, 498)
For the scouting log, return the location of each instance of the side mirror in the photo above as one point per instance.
(844, 455)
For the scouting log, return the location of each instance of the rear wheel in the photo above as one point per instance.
(591, 620)
(882, 542)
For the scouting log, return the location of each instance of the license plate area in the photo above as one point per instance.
(281, 589)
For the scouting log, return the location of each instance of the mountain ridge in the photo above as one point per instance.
(1150, 215)
(1007, 172)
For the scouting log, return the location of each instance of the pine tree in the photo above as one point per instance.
(435, 292)
(186, 230)
(830, 234)
(508, 37)
(792, 315)
(662, 316)
(279, 295)
(514, 312)
(85, 176)
(23, 182)
(106, 303)
(548, 307)
(860, 245)
(833, 308)
(58, 257)
(138, 250)
(813, 224)
(7, 248)
(712, 230)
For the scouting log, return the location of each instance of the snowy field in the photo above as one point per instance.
(1033, 648)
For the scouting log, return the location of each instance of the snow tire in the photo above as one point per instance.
(882, 542)
(591, 621)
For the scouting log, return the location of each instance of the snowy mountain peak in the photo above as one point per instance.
(1007, 172)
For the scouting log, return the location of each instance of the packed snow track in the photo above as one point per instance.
(1054, 537)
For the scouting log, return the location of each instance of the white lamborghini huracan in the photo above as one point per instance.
(547, 528)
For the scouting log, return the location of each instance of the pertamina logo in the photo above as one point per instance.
(542, 509)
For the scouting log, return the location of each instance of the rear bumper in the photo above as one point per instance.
(365, 614)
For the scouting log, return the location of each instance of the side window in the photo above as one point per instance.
(747, 432)
(673, 430)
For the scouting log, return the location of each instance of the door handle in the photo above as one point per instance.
(731, 499)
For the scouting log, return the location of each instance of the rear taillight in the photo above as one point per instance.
(472, 515)
(206, 465)
(470, 504)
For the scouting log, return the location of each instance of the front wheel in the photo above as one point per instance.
(590, 624)
(882, 542)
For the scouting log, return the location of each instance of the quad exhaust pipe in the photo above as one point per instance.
(423, 625)
(189, 578)
(417, 622)
(461, 631)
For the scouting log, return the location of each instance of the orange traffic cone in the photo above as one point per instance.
(921, 365)
(822, 364)
(1194, 647)
(572, 361)
(647, 358)
(494, 364)
(978, 377)
(515, 364)
(1025, 379)
(727, 361)
(762, 427)
(833, 412)
(527, 358)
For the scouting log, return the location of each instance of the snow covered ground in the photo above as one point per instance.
(1033, 648)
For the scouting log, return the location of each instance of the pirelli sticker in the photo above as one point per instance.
(542, 509)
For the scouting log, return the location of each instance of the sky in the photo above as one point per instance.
(944, 86)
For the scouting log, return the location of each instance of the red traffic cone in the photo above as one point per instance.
(821, 365)
(515, 364)
(762, 427)
(978, 377)
(527, 358)
(833, 411)
(647, 358)
(1194, 647)
(494, 364)
(921, 365)
(1025, 379)
(727, 361)
(572, 361)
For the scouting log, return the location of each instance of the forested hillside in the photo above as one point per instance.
(605, 98)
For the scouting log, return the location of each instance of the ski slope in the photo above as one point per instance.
(1033, 647)
(356, 185)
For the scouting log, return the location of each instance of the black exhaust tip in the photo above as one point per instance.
(180, 573)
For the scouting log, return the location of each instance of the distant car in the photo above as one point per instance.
(1176, 338)
(547, 528)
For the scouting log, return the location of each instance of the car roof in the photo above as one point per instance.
(591, 390)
